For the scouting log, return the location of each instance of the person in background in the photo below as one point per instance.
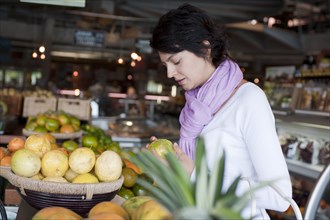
(231, 114)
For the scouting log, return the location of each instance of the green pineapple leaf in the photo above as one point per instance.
(200, 152)
(232, 188)
(159, 194)
(216, 180)
(202, 186)
(225, 213)
(167, 181)
(182, 177)
(159, 173)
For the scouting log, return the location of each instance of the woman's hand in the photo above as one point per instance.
(187, 163)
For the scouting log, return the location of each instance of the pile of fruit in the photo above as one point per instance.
(53, 122)
(140, 207)
(37, 158)
(96, 139)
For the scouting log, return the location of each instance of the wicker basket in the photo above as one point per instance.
(78, 197)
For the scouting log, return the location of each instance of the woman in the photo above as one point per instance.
(231, 114)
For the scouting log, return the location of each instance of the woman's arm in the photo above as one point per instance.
(260, 136)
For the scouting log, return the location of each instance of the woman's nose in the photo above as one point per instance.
(170, 72)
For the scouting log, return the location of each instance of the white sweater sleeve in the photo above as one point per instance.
(259, 133)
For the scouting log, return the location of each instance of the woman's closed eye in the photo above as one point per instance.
(176, 62)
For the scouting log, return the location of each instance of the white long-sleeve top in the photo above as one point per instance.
(245, 129)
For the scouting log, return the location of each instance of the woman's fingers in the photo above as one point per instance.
(187, 163)
(151, 139)
(178, 150)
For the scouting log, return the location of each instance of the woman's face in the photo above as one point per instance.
(188, 70)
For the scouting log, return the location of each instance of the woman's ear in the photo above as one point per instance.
(208, 51)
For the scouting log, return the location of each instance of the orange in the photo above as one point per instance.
(67, 128)
(139, 190)
(52, 124)
(41, 120)
(75, 122)
(89, 141)
(131, 165)
(51, 138)
(40, 129)
(54, 146)
(70, 145)
(31, 125)
(15, 144)
(63, 119)
(2, 152)
(63, 150)
(125, 193)
(5, 161)
(129, 177)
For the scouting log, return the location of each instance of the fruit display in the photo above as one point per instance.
(58, 122)
(96, 139)
(34, 157)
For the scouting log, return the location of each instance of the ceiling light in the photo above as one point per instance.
(134, 55)
(42, 49)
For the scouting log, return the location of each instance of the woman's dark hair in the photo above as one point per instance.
(187, 28)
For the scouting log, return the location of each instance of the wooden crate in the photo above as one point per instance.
(77, 107)
(35, 105)
(14, 104)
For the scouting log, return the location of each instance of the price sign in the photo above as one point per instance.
(89, 38)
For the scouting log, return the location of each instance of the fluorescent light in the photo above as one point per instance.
(73, 3)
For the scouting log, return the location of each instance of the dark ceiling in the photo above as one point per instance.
(284, 30)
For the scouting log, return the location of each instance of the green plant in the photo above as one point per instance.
(201, 199)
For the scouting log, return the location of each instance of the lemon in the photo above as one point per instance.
(85, 178)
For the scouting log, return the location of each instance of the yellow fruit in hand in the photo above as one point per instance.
(161, 147)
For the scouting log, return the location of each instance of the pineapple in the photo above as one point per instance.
(202, 199)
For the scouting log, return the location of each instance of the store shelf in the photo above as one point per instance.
(313, 113)
(304, 169)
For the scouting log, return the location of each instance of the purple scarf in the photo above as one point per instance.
(203, 102)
